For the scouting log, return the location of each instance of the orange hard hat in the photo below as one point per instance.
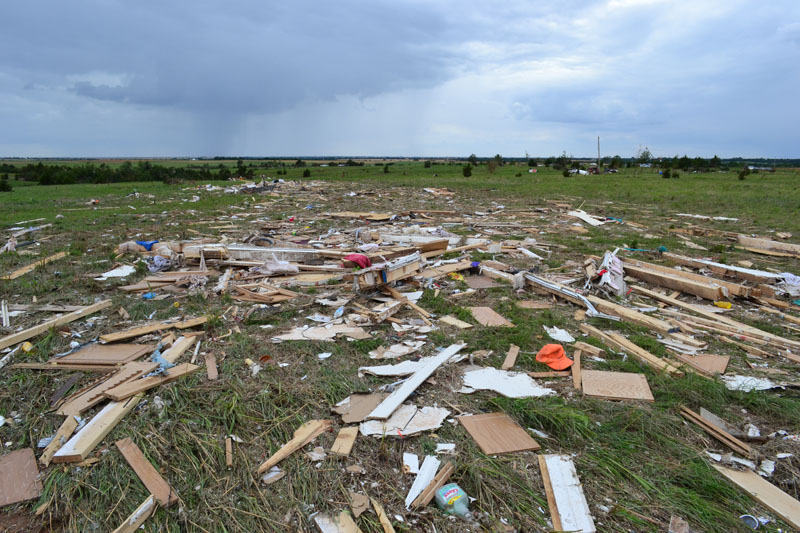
(553, 356)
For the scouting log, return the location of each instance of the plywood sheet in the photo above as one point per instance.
(480, 282)
(616, 385)
(105, 354)
(19, 477)
(497, 433)
(487, 317)
(706, 363)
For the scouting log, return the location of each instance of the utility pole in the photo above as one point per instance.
(598, 153)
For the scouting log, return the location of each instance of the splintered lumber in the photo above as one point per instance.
(765, 493)
(718, 433)
(511, 357)
(576, 369)
(382, 516)
(29, 268)
(717, 319)
(84, 441)
(19, 477)
(436, 483)
(129, 388)
(390, 404)
(588, 348)
(747, 274)
(150, 328)
(734, 289)
(631, 315)
(707, 290)
(345, 440)
(24, 335)
(569, 510)
(87, 398)
(138, 517)
(150, 477)
(755, 244)
(618, 342)
(64, 432)
(302, 436)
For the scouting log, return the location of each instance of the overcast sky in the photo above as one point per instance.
(405, 78)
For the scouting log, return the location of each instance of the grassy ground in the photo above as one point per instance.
(639, 464)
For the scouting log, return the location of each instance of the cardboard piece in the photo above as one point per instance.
(616, 385)
(488, 317)
(19, 477)
(496, 433)
(356, 407)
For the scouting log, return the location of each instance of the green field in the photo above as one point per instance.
(639, 464)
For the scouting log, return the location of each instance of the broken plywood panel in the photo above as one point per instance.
(356, 407)
(19, 477)
(323, 333)
(453, 321)
(488, 317)
(105, 354)
(496, 433)
(568, 508)
(616, 385)
(480, 282)
(706, 363)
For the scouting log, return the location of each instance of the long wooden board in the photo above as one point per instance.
(618, 342)
(302, 436)
(765, 493)
(568, 507)
(766, 244)
(708, 291)
(718, 433)
(29, 268)
(64, 432)
(129, 388)
(24, 335)
(150, 328)
(138, 517)
(150, 477)
(390, 404)
(88, 398)
(83, 442)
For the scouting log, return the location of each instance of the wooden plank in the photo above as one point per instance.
(64, 432)
(88, 398)
(179, 347)
(345, 440)
(129, 388)
(453, 321)
(511, 357)
(103, 369)
(576, 369)
(616, 385)
(631, 315)
(150, 477)
(497, 433)
(678, 283)
(723, 270)
(426, 474)
(138, 517)
(101, 354)
(29, 268)
(302, 436)
(443, 270)
(488, 317)
(618, 342)
(766, 244)
(64, 388)
(211, 366)
(588, 348)
(567, 495)
(83, 442)
(150, 328)
(548, 492)
(228, 452)
(390, 404)
(717, 432)
(382, 516)
(19, 477)
(551, 374)
(734, 289)
(21, 336)
(436, 483)
(765, 493)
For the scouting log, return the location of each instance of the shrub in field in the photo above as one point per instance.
(307, 173)
(467, 170)
(5, 186)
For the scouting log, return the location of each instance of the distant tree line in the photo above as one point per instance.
(142, 171)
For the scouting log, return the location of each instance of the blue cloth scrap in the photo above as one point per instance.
(148, 245)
